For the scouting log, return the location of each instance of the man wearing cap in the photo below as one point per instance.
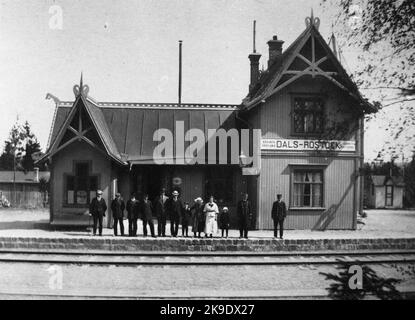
(278, 213)
(175, 208)
(117, 208)
(244, 213)
(133, 210)
(97, 209)
(161, 212)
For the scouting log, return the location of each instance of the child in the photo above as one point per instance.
(187, 213)
(224, 221)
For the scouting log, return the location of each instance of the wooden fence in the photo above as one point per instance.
(25, 199)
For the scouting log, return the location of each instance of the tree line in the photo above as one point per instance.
(20, 150)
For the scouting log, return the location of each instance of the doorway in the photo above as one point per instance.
(149, 179)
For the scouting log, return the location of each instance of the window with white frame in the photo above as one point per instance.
(308, 188)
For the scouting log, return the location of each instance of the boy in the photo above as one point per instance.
(224, 221)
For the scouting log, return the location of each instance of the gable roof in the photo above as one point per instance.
(127, 129)
(98, 122)
(381, 180)
(272, 80)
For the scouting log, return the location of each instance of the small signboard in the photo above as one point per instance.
(308, 145)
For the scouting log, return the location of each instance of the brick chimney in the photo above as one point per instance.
(254, 58)
(275, 50)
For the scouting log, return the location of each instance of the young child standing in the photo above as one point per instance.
(224, 221)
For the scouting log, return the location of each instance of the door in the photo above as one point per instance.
(389, 196)
(148, 179)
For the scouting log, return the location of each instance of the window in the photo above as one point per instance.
(80, 187)
(389, 196)
(219, 183)
(308, 188)
(308, 115)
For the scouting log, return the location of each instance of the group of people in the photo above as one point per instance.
(203, 218)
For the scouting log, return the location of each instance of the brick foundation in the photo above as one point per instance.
(194, 245)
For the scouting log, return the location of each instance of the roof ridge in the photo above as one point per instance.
(155, 104)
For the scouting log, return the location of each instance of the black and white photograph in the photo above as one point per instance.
(208, 155)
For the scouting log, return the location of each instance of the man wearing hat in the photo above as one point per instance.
(245, 215)
(161, 212)
(198, 217)
(279, 212)
(133, 212)
(117, 208)
(97, 210)
(175, 208)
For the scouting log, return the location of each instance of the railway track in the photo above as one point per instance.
(34, 265)
(206, 258)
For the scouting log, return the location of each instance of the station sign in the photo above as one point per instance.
(308, 145)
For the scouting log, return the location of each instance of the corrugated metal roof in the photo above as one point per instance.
(22, 177)
(127, 128)
(102, 128)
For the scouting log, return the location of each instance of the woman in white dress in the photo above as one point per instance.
(211, 210)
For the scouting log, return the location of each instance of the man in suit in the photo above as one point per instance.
(244, 213)
(147, 216)
(117, 208)
(97, 210)
(175, 208)
(132, 214)
(279, 212)
(161, 212)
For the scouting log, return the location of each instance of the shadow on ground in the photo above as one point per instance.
(23, 225)
(42, 225)
(373, 285)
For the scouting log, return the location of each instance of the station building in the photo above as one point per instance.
(310, 149)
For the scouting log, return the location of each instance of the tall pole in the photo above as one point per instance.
(254, 36)
(14, 176)
(180, 72)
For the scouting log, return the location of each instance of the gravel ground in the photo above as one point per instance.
(180, 281)
(378, 224)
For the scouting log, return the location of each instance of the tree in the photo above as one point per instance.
(19, 148)
(382, 32)
(13, 149)
(31, 146)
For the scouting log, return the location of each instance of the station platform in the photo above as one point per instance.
(381, 230)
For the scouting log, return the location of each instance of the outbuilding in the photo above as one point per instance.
(386, 192)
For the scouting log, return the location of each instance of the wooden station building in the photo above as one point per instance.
(310, 115)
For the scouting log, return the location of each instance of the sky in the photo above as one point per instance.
(128, 52)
